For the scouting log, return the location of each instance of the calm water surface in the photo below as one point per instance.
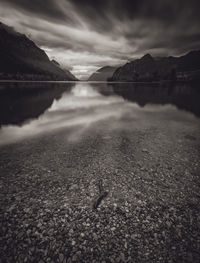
(28, 109)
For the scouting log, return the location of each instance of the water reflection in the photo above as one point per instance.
(78, 105)
(182, 95)
(29, 109)
(22, 101)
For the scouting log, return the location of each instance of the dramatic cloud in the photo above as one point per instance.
(85, 35)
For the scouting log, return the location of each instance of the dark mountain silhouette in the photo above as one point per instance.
(102, 74)
(147, 68)
(22, 59)
(67, 72)
(55, 62)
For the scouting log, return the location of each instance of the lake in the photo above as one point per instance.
(29, 109)
(92, 171)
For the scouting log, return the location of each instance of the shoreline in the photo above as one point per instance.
(49, 186)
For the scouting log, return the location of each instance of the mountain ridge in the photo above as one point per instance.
(102, 74)
(148, 68)
(22, 59)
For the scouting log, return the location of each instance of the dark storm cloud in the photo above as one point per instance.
(169, 25)
(100, 12)
(99, 32)
(48, 8)
(118, 16)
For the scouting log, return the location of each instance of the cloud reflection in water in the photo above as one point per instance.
(83, 106)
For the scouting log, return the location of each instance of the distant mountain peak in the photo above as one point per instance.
(102, 74)
(147, 57)
(105, 68)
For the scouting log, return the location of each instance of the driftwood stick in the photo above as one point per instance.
(99, 199)
(102, 195)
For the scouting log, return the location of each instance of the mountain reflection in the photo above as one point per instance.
(21, 101)
(29, 109)
(183, 96)
(56, 108)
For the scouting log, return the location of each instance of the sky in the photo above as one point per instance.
(85, 35)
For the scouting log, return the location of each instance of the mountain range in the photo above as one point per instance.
(22, 59)
(148, 68)
(102, 74)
